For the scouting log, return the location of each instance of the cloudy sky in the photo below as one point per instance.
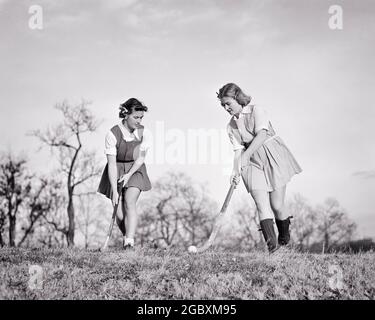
(174, 55)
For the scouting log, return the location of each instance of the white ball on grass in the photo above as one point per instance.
(192, 249)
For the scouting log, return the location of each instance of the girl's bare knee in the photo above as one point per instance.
(280, 213)
(265, 214)
(277, 208)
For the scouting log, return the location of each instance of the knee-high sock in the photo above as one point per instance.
(283, 228)
(269, 234)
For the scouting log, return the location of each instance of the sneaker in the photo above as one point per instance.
(128, 246)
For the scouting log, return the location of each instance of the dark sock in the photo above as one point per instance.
(269, 234)
(283, 228)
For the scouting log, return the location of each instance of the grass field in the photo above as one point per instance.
(158, 274)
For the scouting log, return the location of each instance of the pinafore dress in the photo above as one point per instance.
(127, 152)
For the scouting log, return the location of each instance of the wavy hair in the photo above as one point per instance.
(232, 90)
(131, 105)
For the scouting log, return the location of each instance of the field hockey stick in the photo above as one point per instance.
(112, 221)
(218, 220)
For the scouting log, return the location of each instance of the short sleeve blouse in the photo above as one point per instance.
(237, 129)
(110, 140)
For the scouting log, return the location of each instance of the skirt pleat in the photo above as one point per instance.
(271, 167)
(139, 179)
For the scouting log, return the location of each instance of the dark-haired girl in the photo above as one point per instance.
(262, 159)
(125, 147)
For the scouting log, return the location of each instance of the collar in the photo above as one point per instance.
(245, 110)
(126, 133)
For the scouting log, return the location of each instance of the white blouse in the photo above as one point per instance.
(238, 137)
(110, 139)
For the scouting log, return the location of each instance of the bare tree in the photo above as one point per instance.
(37, 204)
(3, 222)
(334, 224)
(241, 230)
(24, 199)
(91, 220)
(322, 226)
(248, 227)
(304, 222)
(56, 225)
(15, 185)
(76, 165)
(147, 227)
(198, 212)
(47, 236)
(159, 221)
(176, 212)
